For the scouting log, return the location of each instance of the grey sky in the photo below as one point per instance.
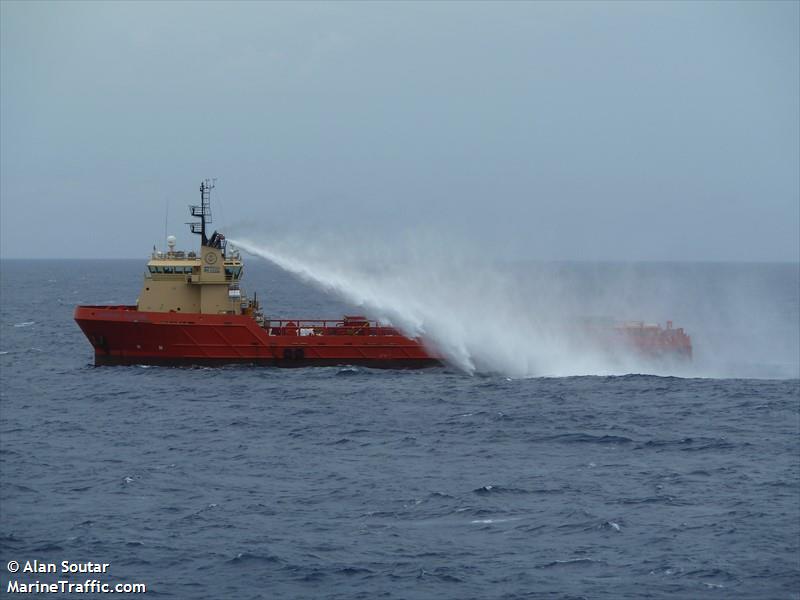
(635, 130)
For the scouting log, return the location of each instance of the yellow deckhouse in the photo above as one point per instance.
(178, 281)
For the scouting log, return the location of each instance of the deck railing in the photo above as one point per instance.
(312, 327)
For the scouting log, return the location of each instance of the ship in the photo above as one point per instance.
(192, 310)
(648, 341)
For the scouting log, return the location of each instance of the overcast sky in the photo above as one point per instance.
(618, 131)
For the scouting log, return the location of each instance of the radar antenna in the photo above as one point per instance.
(203, 211)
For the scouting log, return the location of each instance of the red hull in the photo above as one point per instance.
(652, 341)
(125, 335)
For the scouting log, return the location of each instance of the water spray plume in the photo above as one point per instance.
(475, 316)
(529, 318)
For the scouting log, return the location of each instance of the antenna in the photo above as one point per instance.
(166, 217)
(220, 207)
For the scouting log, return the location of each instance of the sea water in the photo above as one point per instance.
(449, 482)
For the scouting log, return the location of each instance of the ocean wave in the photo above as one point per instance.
(250, 558)
(493, 521)
(586, 438)
(499, 489)
(571, 562)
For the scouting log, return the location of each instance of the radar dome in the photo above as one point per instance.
(171, 241)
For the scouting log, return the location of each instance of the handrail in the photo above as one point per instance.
(314, 327)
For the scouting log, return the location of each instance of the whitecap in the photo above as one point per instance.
(25, 324)
(490, 521)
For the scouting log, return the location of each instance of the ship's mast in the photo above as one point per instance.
(203, 211)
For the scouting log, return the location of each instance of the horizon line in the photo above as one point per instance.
(526, 259)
